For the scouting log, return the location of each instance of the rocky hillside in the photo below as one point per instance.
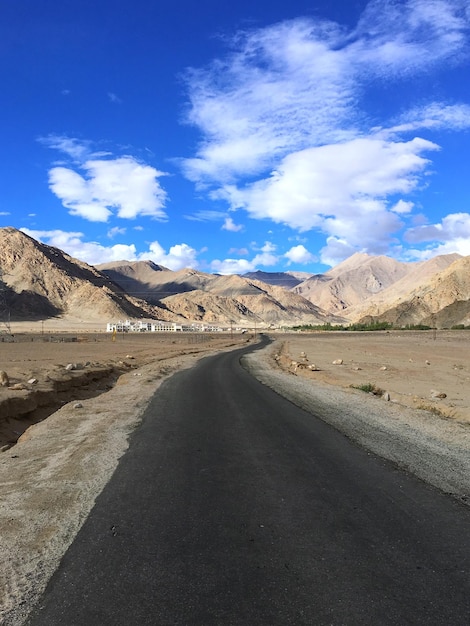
(212, 298)
(442, 300)
(42, 281)
(351, 282)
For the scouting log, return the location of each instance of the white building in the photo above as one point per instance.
(142, 326)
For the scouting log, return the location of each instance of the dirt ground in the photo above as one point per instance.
(426, 369)
(49, 480)
(45, 371)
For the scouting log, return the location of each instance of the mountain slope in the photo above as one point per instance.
(352, 282)
(287, 280)
(442, 301)
(44, 281)
(418, 275)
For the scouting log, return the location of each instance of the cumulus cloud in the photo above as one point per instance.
(90, 252)
(340, 189)
(300, 254)
(94, 253)
(105, 185)
(178, 256)
(285, 134)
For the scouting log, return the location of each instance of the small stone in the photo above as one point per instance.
(32, 381)
(4, 380)
(17, 387)
(438, 394)
(386, 396)
(70, 367)
(129, 356)
(338, 362)
(78, 405)
(383, 368)
(357, 369)
(428, 362)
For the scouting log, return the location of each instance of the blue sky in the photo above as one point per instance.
(229, 138)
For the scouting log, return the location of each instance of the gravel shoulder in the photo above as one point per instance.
(433, 446)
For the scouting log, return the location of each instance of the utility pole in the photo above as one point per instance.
(5, 328)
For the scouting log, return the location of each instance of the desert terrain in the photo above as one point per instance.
(425, 370)
(51, 477)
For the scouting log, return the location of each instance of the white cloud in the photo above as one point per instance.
(90, 252)
(299, 254)
(435, 115)
(341, 190)
(336, 250)
(230, 225)
(299, 83)
(122, 185)
(4, 213)
(112, 232)
(178, 257)
(402, 207)
(264, 258)
(94, 253)
(232, 266)
(76, 149)
(396, 38)
(452, 234)
(104, 185)
(285, 134)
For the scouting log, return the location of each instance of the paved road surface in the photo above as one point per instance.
(234, 507)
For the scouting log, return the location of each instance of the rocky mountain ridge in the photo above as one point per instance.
(40, 281)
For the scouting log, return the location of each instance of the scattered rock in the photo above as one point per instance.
(18, 387)
(4, 380)
(428, 362)
(338, 362)
(32, 381)
(438, 394)
(78, 405)
(386, 396)
(313, 368)
(129, 356)
(357, 368)
(70, 367)
(383, 368)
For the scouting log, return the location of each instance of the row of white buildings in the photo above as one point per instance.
(157, 326)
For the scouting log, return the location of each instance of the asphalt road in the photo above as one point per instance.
(234, 507)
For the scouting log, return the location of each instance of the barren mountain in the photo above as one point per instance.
(288, 280)
(42, 281)
(442, 301)
(145, 279)
(212, 298)
(419, 274)
(352, 281)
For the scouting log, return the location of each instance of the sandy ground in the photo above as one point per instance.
(416, 369)
(51, 477)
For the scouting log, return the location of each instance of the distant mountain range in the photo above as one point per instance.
(41, 281)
